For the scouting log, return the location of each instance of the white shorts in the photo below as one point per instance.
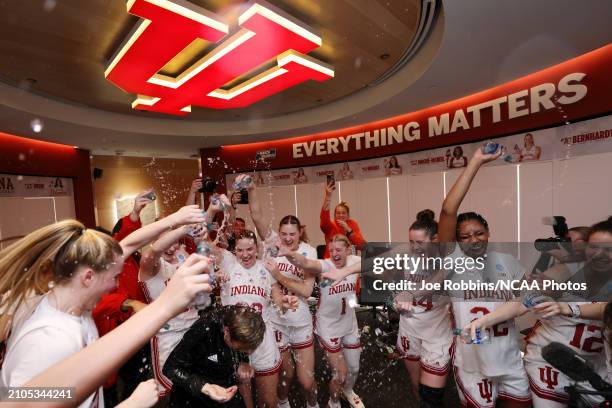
(547, 386)
(336, 344)
(433, 354)
(266, 359)
(476, 390)
(162, 345)
(298, 337)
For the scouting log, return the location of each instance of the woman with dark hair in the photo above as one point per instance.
(569, 320)
(457, 160)
(341, 224)
(248, 283)
(492, 372)
(425, 333)
(392, 167)
(293, 330)
(212, 358)
(336, 322)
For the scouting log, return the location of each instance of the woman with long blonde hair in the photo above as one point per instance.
(50, 281)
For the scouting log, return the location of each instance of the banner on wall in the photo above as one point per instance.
(33, 186)
(575, 89)
(578, 139)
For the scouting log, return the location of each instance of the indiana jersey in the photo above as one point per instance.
(429, 317)
(152, 289)
(502, 353)
(335, 310)
(301, 316)
(249, 287)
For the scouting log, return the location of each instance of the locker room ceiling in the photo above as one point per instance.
(54, 54)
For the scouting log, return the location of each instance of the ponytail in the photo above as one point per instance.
(51, 253)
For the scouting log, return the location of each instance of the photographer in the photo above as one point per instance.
(211, 359)
(564, 251)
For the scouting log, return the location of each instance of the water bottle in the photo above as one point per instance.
(272, 251)
(325, 283)
(242, 182)
(533, 299)
(466, 336)
(214, 200)
(391, 305)
(490, 147)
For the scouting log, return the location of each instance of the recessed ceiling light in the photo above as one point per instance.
(384, 56)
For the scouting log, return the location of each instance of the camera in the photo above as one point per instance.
(208, 185)
(559, 241)
(151, 196)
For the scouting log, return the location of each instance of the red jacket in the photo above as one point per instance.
(107, 314)
(330, 228)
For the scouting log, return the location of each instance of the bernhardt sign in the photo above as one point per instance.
(575, 89)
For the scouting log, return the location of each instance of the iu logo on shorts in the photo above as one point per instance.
(549, 376)
(169, 30)
(486, 389)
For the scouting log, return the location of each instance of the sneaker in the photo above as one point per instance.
(353, 399)
(284, 404)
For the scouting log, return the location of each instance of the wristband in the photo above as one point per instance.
(575, 310)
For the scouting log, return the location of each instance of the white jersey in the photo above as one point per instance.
(170, 335)
(301, 316)
(47, 337)
(585, 337)
(152, 289)
(502, 353)
(249, 287)
(335, 310)
(429, 317)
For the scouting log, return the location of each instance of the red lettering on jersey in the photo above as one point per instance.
(486, 389)
(248, 290)
(344, 287)
(549, 376)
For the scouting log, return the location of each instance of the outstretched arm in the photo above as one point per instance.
(149, 262)
(301, 287)
(261, 225)
(325, 220)
(190, 214)
(448, 215)
(196, 185)
(109, 352)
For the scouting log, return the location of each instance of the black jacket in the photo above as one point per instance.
(203, 357)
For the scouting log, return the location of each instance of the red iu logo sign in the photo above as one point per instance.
(169, 27)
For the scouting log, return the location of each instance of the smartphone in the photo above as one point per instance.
(331, 180)
(244, 196)
(151, 196)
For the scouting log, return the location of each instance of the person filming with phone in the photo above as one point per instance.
(342, 223)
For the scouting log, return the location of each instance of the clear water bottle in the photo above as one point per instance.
(242, 182)
(490, 147)
(272, 251)
(533, 299)
(466, 336)
(214, 200)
